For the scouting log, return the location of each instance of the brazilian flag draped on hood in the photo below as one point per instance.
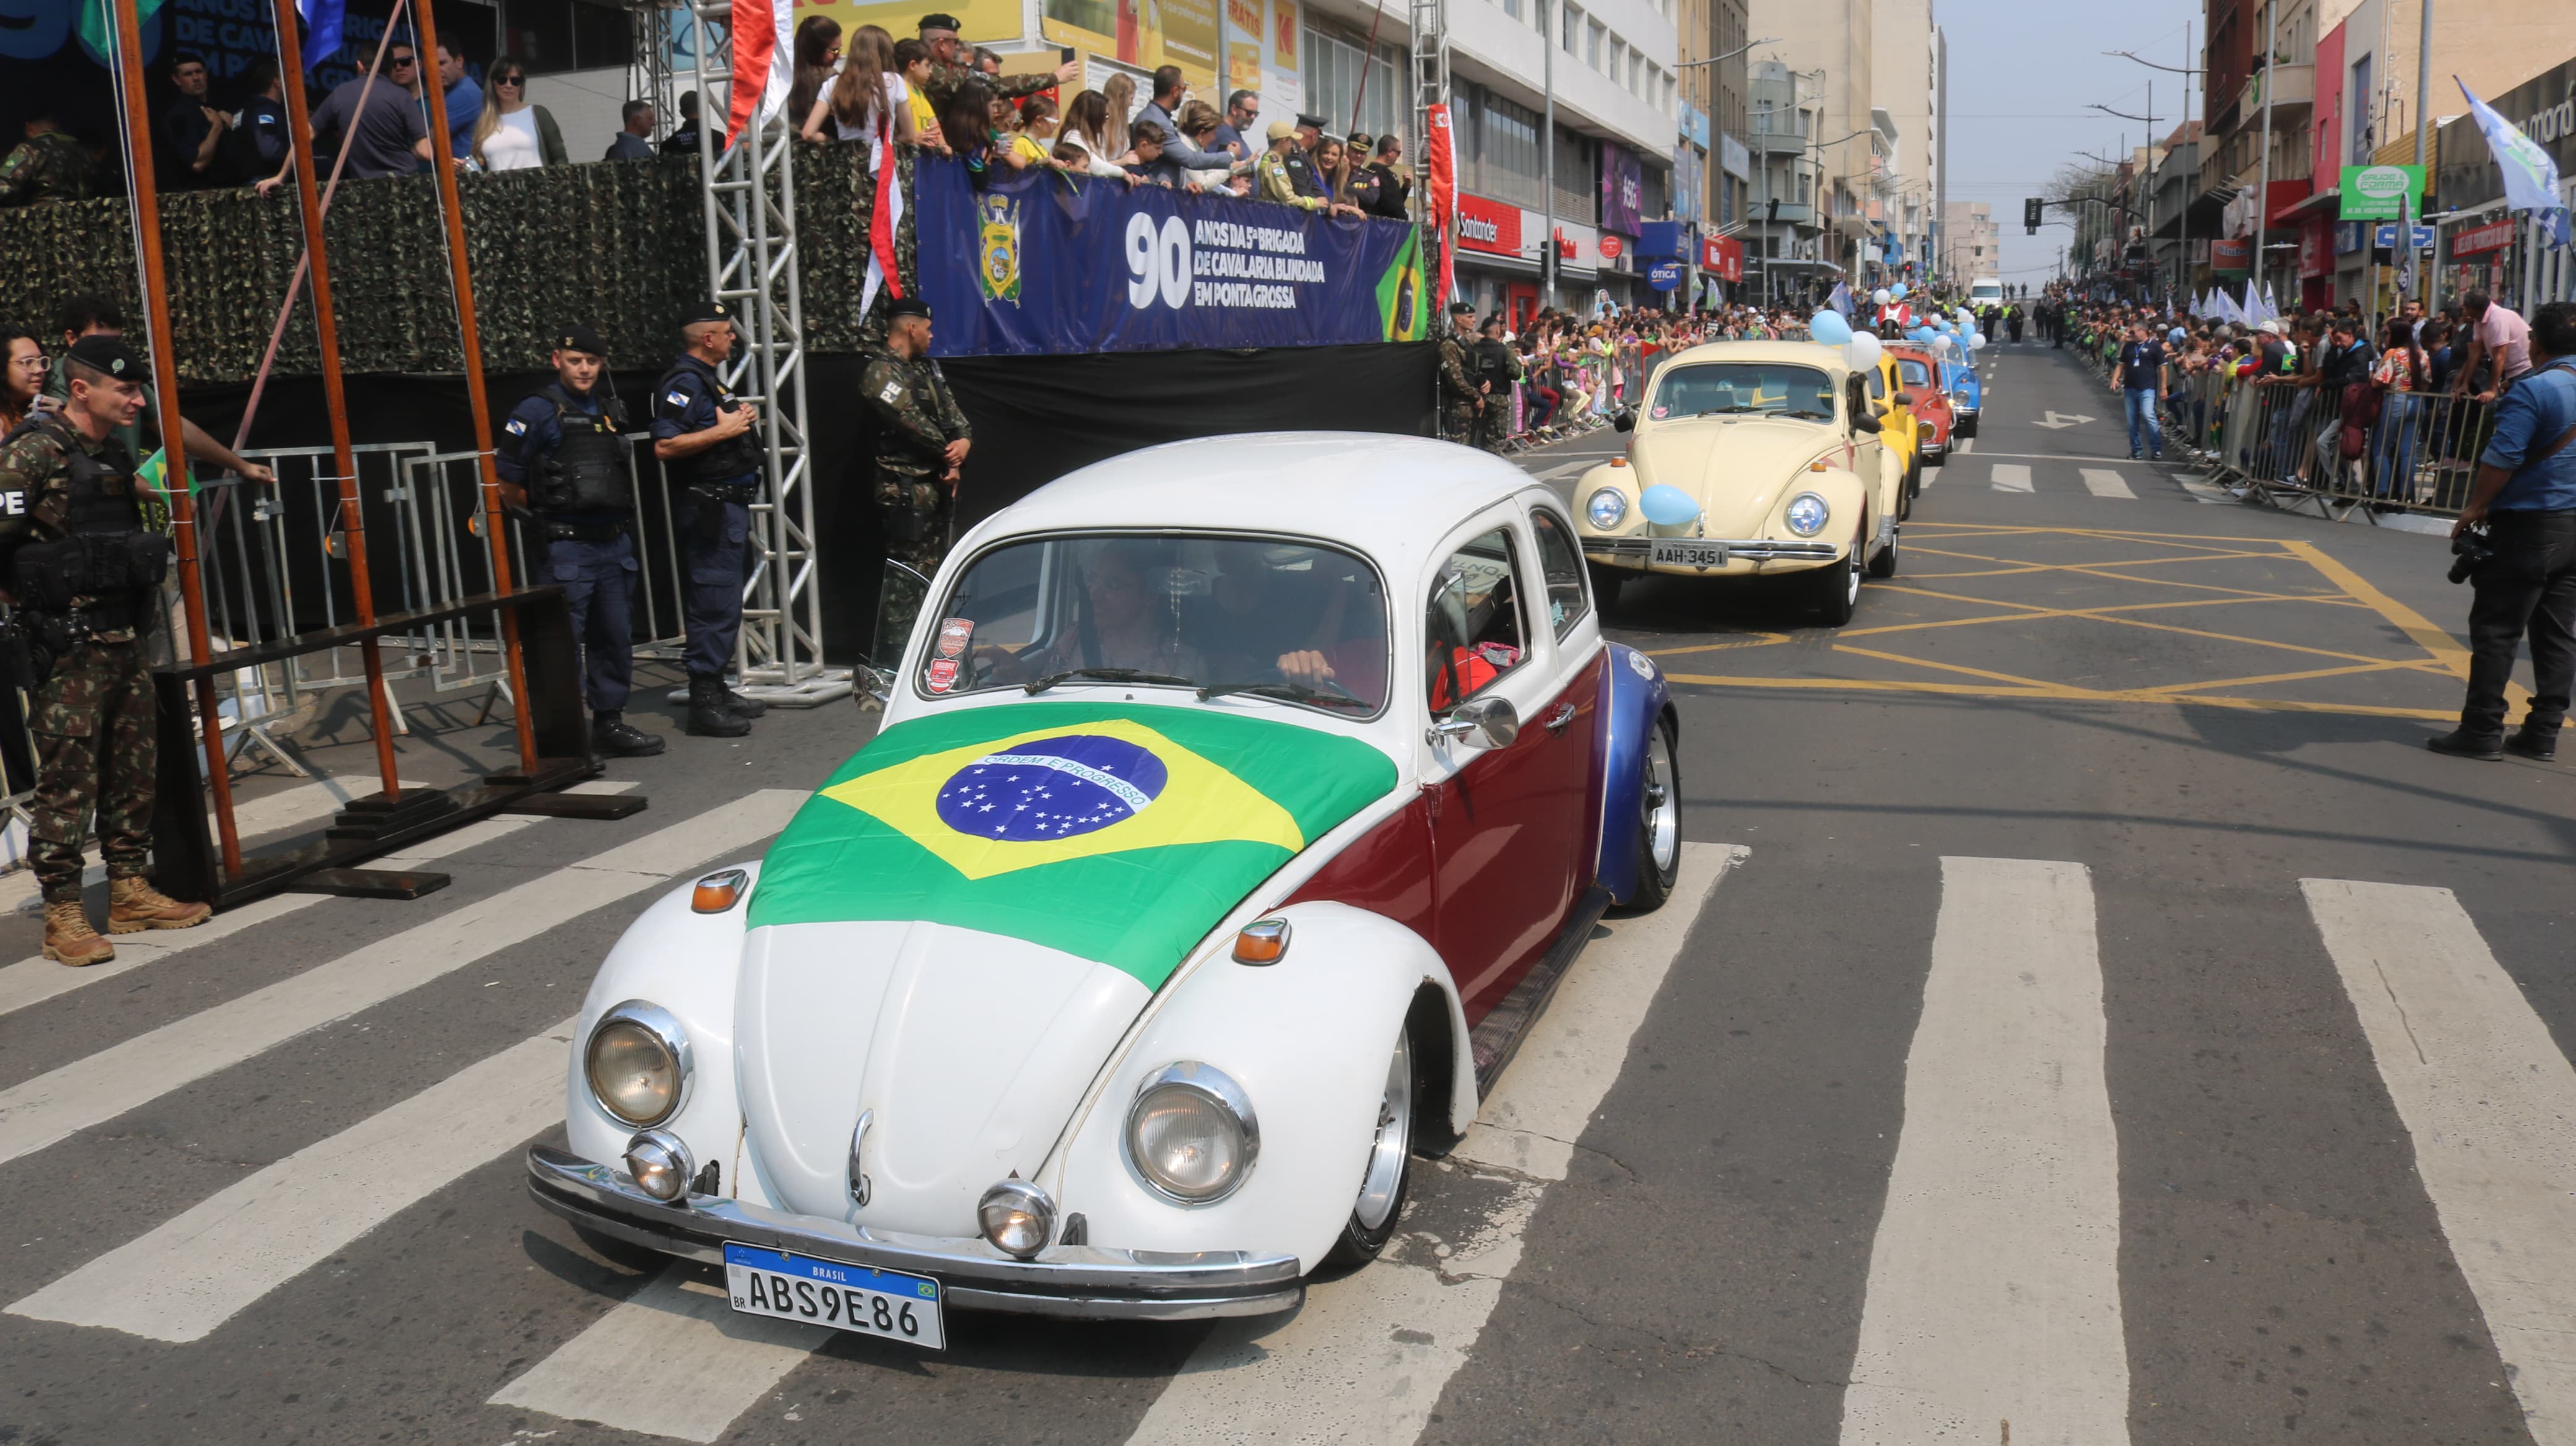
(1120, 834)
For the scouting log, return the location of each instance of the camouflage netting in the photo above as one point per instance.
(620, 245)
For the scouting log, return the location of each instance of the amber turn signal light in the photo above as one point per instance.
(1618, 461)
(1262, 942)
(718, 892)
(1817, 465)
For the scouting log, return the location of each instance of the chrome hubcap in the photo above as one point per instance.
(1394, 1135)
(1663, 818)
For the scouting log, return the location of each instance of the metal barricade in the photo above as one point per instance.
(2418, 454)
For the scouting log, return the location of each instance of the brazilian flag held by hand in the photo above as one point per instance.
(1120, 834)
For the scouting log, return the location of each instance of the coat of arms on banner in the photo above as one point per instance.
(997, 251)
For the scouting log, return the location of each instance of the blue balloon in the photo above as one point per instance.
(1897, 291)
(1668, 506)
(1829, 327)
(1940, 325)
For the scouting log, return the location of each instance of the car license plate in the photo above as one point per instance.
(1685, 552)
(834, 1293)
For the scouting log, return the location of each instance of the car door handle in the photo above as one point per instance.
(1563, 715)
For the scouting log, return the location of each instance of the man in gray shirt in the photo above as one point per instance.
(383, 133)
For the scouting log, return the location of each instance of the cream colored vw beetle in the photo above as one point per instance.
(1748, 459)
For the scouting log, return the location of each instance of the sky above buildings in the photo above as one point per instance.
(2021, 76)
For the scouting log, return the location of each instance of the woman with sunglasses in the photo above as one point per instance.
(511, 134)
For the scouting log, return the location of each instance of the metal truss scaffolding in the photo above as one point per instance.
(1429, 20)
(748, 188)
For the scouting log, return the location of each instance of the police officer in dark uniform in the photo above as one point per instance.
(706, 441)
(561, 458)
(85, 576)
(921, 438)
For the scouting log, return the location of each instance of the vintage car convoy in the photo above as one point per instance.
(1238, 802)
(1755, 459)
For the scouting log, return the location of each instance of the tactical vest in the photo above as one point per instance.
(897, 452)
(106, 556)
(596, 474)
(727, 460)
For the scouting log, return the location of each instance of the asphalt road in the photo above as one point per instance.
(2089, 1015)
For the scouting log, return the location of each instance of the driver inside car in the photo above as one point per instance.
(1125, 621)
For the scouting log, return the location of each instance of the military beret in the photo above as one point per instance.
(908, 306)
(111, 355)
(1461, 308)
(1281, 130)
(936, 21)
(707, 311)
(578, 337)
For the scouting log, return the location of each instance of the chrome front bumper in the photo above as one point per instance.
(1633, 551)
(1066, 1280)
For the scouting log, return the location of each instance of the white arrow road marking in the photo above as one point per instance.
(1994, 1279)
(2103, 482)
(2057, 420)
(2487, 1099)
(1366, 1360)
(2011, 477)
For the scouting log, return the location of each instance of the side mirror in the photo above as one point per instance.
(1864, 422)
(1902, 399)
(1490, 722)
(1626, 421)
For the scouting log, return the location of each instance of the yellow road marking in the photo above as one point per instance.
(2015, 680)
(2409, 665)
(2060, 695)
(2406, 620)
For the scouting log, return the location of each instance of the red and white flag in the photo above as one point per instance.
(764, 63)
(1440, 184)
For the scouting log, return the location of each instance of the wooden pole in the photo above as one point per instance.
(326, 329)
(146, 198)
(495, 523)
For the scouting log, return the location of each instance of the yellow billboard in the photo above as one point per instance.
(1141, 33)
(986, 21)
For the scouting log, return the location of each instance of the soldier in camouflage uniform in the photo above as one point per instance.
(51, 165)
(951, 63)
(1461, 395)
(921, 438)
(85, 576)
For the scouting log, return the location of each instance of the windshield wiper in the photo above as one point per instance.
(1294, 692)
(1815, 416)
(1108, 675)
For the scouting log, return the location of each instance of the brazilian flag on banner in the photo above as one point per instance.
(1119, 834)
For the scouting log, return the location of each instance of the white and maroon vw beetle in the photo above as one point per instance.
(1238, 803)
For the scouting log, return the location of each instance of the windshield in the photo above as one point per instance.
(1987, 291)
(1275, 617)
(1706, 389)
(1914, 373)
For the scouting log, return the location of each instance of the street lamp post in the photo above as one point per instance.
(2191, 183)
(1547, 146)
(1703, 98)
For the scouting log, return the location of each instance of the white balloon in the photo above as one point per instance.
(1862, 350)
(1976, 343)
(1879, 296)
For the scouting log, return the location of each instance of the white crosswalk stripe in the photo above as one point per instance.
(102, 1086)
(675, 1360)
(1994, 1286)
(2491, 1105)
(1367, 1358)
(35, 979)
(2104, 482)
(191, 1275)
(2011, 477)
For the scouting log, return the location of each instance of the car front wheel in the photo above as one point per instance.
(1390, 1166)
(1837, 587)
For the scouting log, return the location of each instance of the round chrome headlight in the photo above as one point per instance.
(661, 1165)
(1191, 1133)
(637, 1063)
(1017, 1217)
(1807, 514)
(1607, 509)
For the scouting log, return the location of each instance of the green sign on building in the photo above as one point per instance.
(2371, 193)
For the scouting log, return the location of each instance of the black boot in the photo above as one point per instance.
(612, 736)
(708, 717)
(2534, 740)
(2461, 743)
(738, 705)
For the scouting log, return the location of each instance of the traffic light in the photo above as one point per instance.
(2030, 216)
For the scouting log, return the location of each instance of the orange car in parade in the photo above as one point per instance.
(1915, 370)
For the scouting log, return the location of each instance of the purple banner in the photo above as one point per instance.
(1623, 190)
